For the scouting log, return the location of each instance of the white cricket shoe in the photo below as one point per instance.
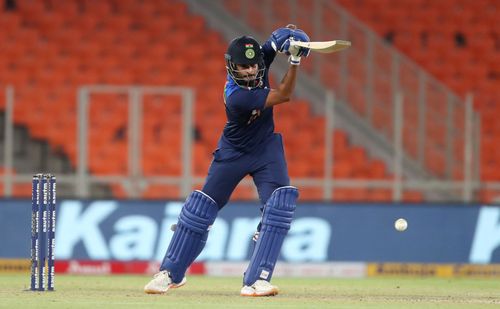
(259, 288)
(161, 282)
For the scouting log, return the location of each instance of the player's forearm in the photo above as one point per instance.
(284, 91)
(288, 82)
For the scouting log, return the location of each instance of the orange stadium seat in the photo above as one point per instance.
(244, 192)
(310, 194)
(156, 191)
(9, 22)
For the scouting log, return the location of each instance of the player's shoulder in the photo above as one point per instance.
(237, 95)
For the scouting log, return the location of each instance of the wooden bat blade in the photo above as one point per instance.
(324, 47)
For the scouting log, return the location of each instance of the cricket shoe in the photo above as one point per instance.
(259, 288)
(161, 282)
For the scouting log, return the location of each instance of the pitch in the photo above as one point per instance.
(216, 292)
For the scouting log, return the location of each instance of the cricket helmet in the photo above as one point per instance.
(245, 50)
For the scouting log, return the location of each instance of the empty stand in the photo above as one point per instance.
(53, 47)
(457, 42)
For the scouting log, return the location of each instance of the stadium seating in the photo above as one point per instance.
(455, 41)
(50, 48)
(458, 43)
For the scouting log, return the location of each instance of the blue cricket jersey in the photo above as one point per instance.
(248, 124)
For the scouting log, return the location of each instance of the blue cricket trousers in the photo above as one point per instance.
(266, 164)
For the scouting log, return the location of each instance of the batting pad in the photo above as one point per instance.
(196, 218)
(276, 220)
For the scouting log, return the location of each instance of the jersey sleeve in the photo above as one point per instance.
(244, 101)
(269, 53)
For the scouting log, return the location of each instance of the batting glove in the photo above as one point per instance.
(294, 52)
(280, 35)
(299, 35)
(278, 38)
(294, 60)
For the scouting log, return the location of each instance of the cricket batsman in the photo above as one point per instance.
(248, 146)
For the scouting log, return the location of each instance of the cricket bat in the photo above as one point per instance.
(325, 47)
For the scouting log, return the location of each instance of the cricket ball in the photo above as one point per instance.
(401, 225)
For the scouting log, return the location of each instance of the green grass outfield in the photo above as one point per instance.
(216, 292)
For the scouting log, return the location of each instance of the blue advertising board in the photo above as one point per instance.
(140, 230)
